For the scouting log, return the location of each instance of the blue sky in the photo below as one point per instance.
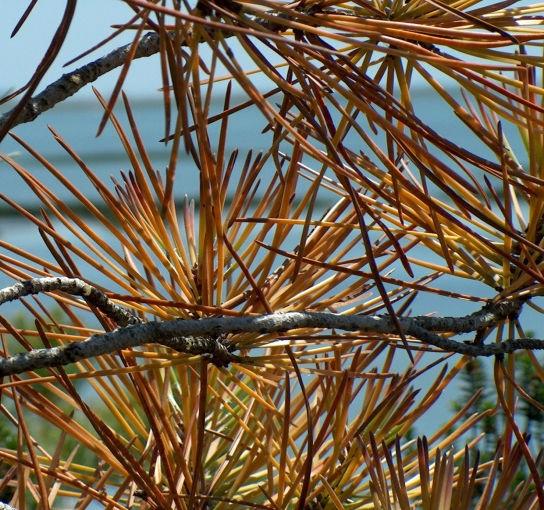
(93, 18)
(92, 23)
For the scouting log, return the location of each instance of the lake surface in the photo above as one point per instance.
(77, 123)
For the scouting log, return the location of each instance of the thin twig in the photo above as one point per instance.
(76, 287)
(68, 84)
(207, 336)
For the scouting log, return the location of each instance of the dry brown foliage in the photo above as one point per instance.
(311, 419)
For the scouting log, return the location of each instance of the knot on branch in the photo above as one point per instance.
(509, 309)
(212, 347)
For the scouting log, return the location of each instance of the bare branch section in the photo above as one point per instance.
(76, 287)
(68, 84)
(207, 336)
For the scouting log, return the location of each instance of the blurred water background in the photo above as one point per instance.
(76, 121)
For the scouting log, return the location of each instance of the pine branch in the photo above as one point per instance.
(76, 287)
(208, 336)
(70, 83)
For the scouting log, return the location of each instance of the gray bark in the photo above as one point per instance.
(70, 83)
(73, 286)
(208, 336)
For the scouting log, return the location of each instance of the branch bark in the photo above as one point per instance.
(70, 83)
(209, 336)
(76, 287)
